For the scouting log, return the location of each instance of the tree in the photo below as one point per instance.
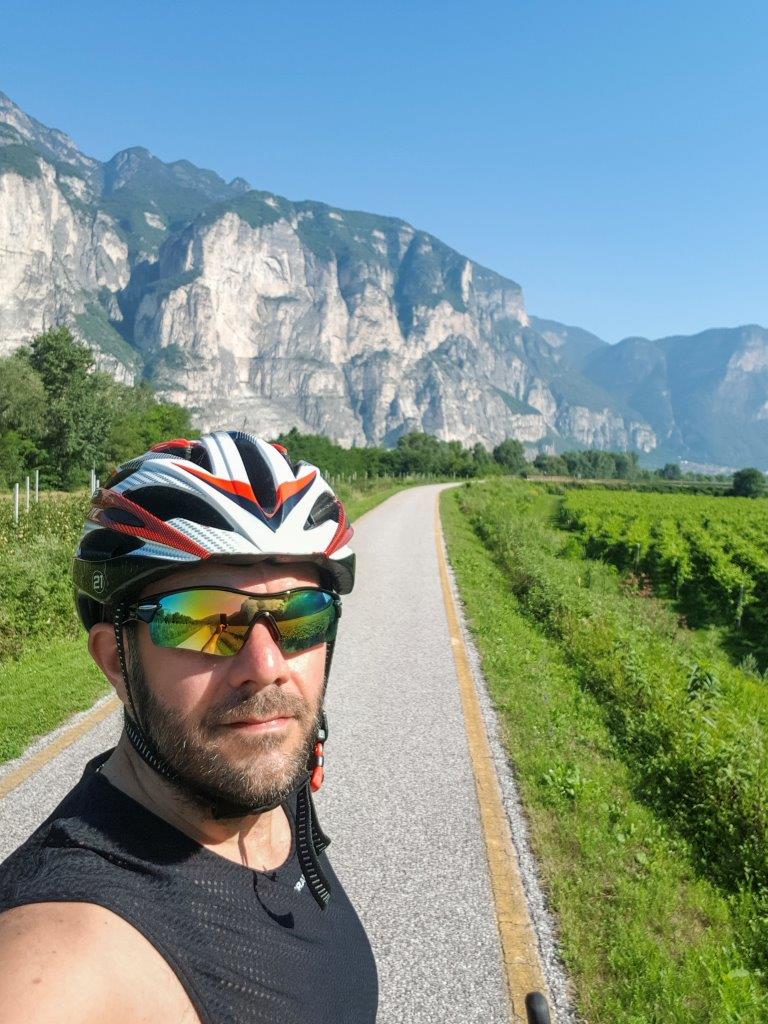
(481, 458)
(510, 454)
(17, 457)
(78, 406)
(418, 452)
(749, 483)
(22, 418)
(139, 421)
(22, 398)
(626, 464)
(550, 465)
(671, 471)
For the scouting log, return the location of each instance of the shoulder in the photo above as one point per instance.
(79, 962)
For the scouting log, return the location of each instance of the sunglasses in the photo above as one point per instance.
(218, 620)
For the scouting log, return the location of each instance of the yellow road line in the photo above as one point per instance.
(66, 739)
(518, 939)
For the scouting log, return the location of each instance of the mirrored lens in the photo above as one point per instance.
(307, 618)
(217, 621)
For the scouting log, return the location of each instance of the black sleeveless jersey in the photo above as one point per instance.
(248, 946)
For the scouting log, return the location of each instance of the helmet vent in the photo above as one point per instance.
(124, 516)
(168, 503)
(325, 508)
(128, 468)
(101, 545)
(259, 474)
(200, 457)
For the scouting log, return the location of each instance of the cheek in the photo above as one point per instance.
(308, 670)
(177, 678)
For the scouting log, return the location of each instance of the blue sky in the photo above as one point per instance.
(611, 157)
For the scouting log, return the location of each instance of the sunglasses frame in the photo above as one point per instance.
(145, 611)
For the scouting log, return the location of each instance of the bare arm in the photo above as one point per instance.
(77, 963)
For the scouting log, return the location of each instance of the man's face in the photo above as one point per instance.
(199, 709)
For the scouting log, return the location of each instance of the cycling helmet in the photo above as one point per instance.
(229, 497)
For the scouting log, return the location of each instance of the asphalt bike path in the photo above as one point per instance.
(399, 800)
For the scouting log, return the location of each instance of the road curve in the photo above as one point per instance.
(399, 800)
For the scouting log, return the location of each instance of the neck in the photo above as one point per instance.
(258, 841)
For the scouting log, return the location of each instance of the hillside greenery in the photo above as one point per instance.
(19, 159)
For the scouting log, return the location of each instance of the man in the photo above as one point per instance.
(183, 878)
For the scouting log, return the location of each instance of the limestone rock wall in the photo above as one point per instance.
(55, 258)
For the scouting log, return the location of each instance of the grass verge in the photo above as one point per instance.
(646, 938)
(42, 688)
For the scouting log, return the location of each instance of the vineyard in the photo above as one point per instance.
(639, 740)
(711, 554)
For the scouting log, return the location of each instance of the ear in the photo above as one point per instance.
(103, 649)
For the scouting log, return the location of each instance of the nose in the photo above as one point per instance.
(260, 659)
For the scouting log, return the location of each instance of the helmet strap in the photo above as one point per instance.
(311, 841)
(119, 626)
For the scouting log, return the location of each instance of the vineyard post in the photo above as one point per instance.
(26, 501)
(15, 504)
(37, 486)
(740, 606)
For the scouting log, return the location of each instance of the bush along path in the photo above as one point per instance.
(643, 770)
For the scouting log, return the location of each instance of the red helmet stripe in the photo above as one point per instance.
(244, 490)
(149, 528)
(290, 487)
(179, 442)
(240, 488)
(344, 532)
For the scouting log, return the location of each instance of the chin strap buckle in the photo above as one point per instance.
(318, 770)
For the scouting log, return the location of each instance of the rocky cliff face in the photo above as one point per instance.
(56, 255)
(250, 309)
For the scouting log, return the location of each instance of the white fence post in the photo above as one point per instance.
(26, 502)
(15, 504)
(37, 486)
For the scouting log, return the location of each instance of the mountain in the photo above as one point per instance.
(575, 344)
(705, 396)
(252, 309)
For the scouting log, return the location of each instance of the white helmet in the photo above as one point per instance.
(229, 497)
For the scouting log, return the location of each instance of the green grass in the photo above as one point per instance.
(359, 500)
(42, 688)
(646, 938)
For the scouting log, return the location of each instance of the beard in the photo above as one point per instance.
(213, 782)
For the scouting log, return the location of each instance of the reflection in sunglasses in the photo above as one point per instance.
(216, 621)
